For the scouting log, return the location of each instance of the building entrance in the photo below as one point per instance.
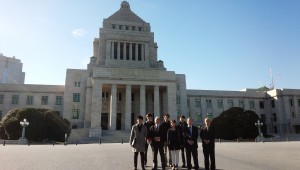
(104, 121)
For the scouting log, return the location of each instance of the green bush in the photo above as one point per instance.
(44, 124)
(236, 123)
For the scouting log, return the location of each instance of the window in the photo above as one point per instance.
(0, 115)
(251, 103)
(115, 50)
(58, 100)
(209, 115)
(1, 99)
(188, 102)
(177, 99)
(133, 51)
(113, 26)
(76, 97)
(77, 84)
(230, 103)
(198, 117)
(132, 96)
(208, 103)
(29, 100)
(273, 103)
(291, 102)
(198, 102)
(75, 113)
(105, 96)
(133, 28)
(126, 27)
(127, 51)
(293, 114)
(120, 27)
(274, 117)
(241, 104)
(15, 99)
(44, 100)
(297, 100)
(220, 104)
(261, 104)
(140, 28)
(121, 51)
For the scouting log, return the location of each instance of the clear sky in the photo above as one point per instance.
(217, 44)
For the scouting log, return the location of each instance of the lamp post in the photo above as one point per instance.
(24, 124)
(259, 124)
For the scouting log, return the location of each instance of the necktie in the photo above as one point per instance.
(191, 130)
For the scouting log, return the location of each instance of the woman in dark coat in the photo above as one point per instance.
(174, 143)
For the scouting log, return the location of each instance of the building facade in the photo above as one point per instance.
(125, 79)
(11, 70)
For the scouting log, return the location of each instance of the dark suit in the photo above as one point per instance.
(208, 149)
(181, 127)
(148, 125)
(191, 150)
(157, 146)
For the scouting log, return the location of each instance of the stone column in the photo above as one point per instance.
(171, 97)
(128, 108)
(142, 101)
(136, 51)
(124, 51)
(96, 110)
(113, 107)
(88, 104)
(156, 101)
(119, 50)
(130, 51)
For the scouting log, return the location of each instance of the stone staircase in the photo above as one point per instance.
(116, 136)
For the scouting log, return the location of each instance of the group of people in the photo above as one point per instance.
(169, 138)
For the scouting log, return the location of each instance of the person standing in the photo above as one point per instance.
(207, 135)
(165, 127)
(174, 141)
(191, 144)
(138, 140)
(181, 126)
(157, 144)
(148, 124)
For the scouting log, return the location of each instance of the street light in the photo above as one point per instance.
(24, 124)
(259, 124)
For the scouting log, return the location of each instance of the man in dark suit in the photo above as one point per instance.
(148, 124)
(207, 135)
(181, 126)
(191, 144)
(157, 144)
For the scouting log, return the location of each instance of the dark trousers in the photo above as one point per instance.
(192, 152)
(209, 153)
(142, 158)
(146, 151)
(182, 155)
(155, 151)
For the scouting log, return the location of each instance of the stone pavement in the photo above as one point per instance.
(229, 156)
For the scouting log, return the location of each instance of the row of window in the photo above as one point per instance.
(220, 103)
(29, 100)
(126, 27)
(137, 51)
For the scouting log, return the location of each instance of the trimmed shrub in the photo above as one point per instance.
(44, 124)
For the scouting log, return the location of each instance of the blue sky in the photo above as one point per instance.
(217, 44)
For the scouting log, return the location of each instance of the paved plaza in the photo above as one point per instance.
(229, 156)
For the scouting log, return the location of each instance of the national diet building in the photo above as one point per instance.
(125, 79)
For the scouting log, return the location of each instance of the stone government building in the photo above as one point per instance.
(124, 79)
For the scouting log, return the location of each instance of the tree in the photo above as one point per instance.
(236, 123)
(45, 124)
